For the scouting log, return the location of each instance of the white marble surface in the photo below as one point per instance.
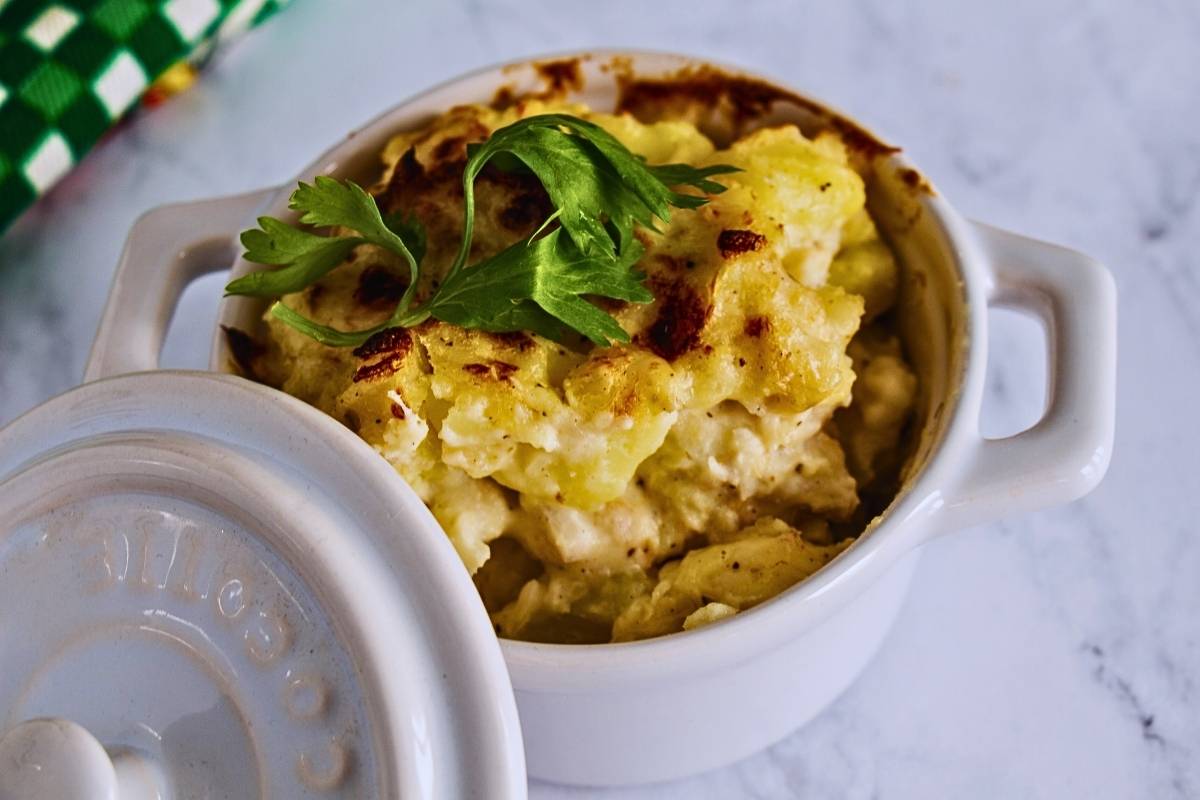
(1056, 655)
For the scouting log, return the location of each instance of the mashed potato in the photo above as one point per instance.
(609, 494)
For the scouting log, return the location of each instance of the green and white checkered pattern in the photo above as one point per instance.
(69, 69)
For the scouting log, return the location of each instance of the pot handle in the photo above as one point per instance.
(167, 248)
(1064, 455)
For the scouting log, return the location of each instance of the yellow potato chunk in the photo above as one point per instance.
(776, 345)
(619, 532)
(798, 191)
(746, 572)
(721, 469)
(667, 142)
(764, 560)
(708, 614)
(865, 266)
(884, 396)
(570, 606)
(662, 612)
(506, 421)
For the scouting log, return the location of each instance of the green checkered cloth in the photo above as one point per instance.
(69, 69)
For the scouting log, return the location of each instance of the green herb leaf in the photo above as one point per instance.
(310, 256)
(552, 273)
(279, 243)
(323, 333)
(590, 177)
(328, 201)
(687, 175)
(305, 269)
(411, 232)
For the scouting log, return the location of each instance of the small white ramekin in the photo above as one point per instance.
(660, 709)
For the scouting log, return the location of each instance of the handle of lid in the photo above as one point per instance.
(56, 759)
(168, 248)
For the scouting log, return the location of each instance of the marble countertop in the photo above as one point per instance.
(1054, 655)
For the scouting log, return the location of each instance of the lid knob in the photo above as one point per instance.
(56, 759)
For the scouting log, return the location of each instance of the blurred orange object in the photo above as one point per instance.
(175, 80)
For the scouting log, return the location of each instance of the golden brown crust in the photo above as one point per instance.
(393, 344)
(244, 348)
(492, 370)
(378, 288)
(561, 75)
(747, 100)
(682, 315)
(915, 181)
(733, 242)
(756, 326)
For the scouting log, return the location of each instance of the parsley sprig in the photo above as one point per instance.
(601, 193)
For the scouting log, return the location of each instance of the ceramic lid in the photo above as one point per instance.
(210, 589)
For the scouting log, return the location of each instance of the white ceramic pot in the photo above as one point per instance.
(660, 709)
